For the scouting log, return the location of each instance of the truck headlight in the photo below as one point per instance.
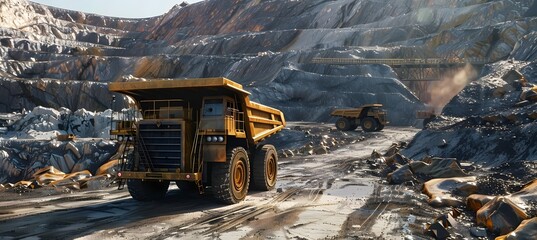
(221, 139)
(209, 138)
(120, 138)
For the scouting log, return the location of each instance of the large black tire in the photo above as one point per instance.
(344, 124)
(148, 190)
(230, 180)
(264, 168)
(369, 124)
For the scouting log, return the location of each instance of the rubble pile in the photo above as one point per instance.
(46, 123)
(498, 208)
(52, 177)
(20, 159)
(69, 141)
(302, 139)
(491, 122)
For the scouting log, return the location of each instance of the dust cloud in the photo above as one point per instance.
(443, 91)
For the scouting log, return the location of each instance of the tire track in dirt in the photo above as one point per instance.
(66, 219)
(218, 221)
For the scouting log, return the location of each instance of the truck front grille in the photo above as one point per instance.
(159, 145)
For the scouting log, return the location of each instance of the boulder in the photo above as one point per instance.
(478, 232)
(401, 175)
(526, 197)
(476, 201)
(48, 169)
(111, 168)
(320, 150)
(441, 190)
(397, 158)
(78, 176)
(72, 181)
(438, 168)
(71, 147)
(527, 230)
(500, 215)
(47, 178)
(437, 231)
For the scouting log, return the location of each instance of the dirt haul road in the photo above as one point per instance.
(319, 196)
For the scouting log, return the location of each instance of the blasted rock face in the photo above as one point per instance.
(260, 44)
(24, 158)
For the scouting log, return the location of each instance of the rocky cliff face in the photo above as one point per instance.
(491, 121)
(60, 58)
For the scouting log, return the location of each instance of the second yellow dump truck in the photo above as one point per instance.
(371, 117)
(200, 133)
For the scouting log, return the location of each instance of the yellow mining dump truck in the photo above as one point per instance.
(370, 116)
(200, 133)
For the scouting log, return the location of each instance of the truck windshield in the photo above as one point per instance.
(213, 107)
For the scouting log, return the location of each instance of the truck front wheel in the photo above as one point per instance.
(264, 168)
(148, 190)
(231, 180)
(369, 124)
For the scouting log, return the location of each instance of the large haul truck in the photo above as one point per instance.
(201, 133)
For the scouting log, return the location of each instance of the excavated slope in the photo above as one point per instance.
(60, 58)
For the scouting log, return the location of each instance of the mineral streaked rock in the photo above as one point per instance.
(527, 230)
(500, 215)
(476, 201)
(440, 190)
(526, 197)
(438, 168)
(111, 168)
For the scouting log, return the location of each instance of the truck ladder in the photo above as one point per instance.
(124, 159)
(195, 156)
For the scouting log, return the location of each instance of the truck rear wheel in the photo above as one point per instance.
(147, 190)
(264, 168)
(369, 124)
(343, 124)
(231, 180)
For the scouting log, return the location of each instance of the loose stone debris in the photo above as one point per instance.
(449, 183)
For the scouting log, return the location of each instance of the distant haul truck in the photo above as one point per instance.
(427, 115)
(199, 133)
(370, 117)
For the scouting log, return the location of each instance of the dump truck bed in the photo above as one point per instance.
(349, 112)
(261, 121)
(352, 112)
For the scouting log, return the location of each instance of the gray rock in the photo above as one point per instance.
(401, 175)
(71, 147)
(478, 231)
(320, 150)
